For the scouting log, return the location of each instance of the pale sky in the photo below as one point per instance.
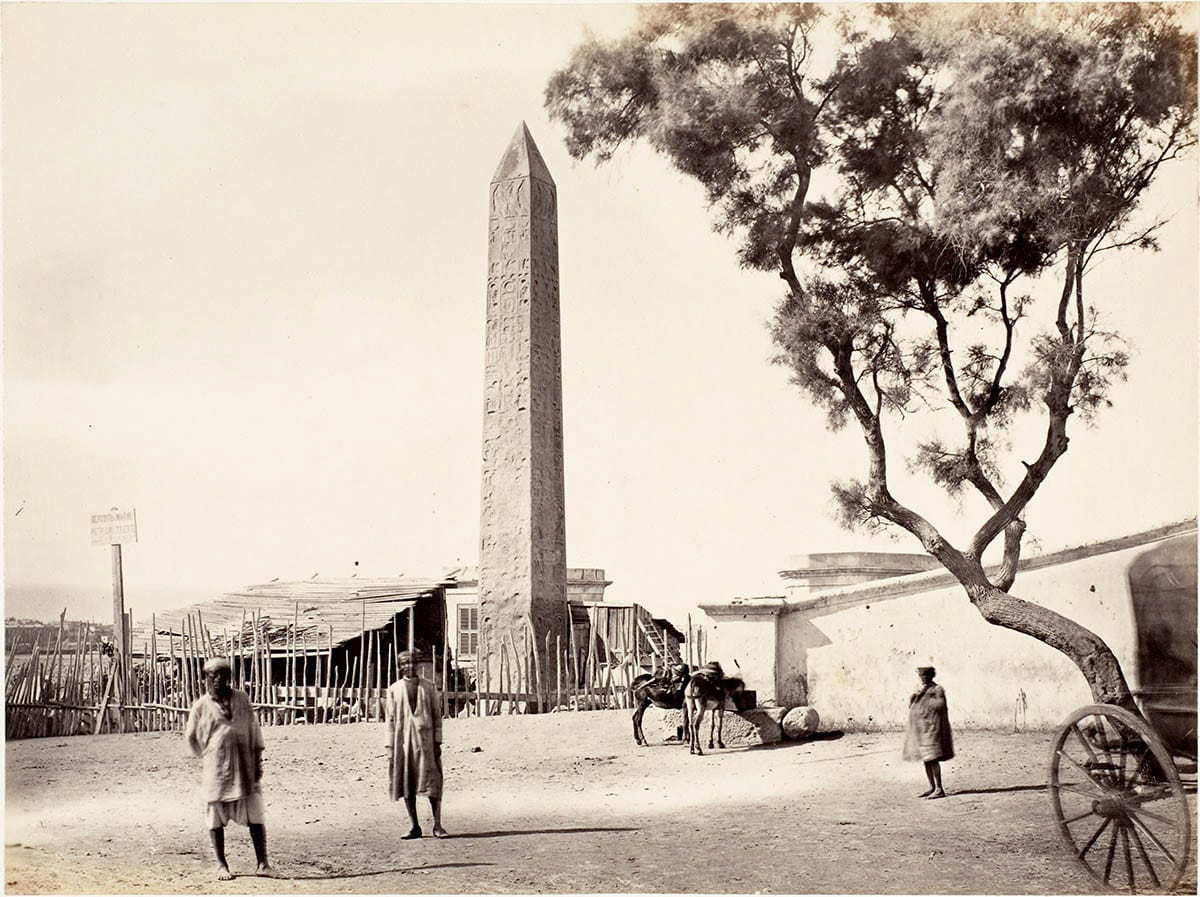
(244, 280)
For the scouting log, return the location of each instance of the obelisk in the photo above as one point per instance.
(522, 552)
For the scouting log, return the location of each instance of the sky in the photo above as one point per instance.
(244, 281)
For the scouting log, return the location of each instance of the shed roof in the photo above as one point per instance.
(321, 609)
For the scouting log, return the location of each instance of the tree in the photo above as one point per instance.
(973, 149)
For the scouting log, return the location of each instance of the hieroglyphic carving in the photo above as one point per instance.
(522, 536)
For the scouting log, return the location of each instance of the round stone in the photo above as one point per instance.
(801, 722)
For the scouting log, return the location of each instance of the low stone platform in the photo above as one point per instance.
(763, 725)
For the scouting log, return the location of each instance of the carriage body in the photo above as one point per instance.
(1162, 584)
(1122, 785)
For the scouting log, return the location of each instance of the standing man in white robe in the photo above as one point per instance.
(223, 732)
(414, 732)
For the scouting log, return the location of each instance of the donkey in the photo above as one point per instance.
(707, 690)
(664, 690)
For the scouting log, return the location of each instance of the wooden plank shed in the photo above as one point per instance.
(309, 622)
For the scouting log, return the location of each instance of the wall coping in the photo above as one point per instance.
(832, 572)
(871, 563)
(767, 606)
(915, 583)
(900, 586)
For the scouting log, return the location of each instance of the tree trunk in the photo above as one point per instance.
(1086, 649)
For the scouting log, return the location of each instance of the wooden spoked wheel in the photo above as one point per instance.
(1119, 801)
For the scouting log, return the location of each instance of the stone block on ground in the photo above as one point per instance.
(746, 729)
(801, 722)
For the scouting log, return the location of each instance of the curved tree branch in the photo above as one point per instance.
(942, 330)
(795, 216)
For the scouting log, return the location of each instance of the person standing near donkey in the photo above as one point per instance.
(414, 743)
(223, 732)
(928, 737)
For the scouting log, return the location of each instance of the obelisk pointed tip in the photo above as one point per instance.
(522, 159)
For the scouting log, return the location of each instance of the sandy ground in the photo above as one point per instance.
(559, 803)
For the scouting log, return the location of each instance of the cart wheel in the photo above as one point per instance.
(1118, 800)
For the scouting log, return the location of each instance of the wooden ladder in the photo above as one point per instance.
(658, 643)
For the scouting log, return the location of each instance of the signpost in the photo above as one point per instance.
(114, 528)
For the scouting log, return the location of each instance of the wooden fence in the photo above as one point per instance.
(70, 683)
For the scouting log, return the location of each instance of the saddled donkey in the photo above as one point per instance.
(664, 690)
(707, 690)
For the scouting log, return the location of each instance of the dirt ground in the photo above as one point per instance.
(558, 803)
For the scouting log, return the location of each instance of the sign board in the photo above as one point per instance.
(114, 527)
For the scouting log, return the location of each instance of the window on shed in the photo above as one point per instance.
(468, 630)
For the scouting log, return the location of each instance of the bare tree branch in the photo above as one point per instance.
(942, 330)
(993, 395)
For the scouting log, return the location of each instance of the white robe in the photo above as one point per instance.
(412, 734)
(227, 746)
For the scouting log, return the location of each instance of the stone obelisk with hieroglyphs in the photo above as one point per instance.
(522, 553)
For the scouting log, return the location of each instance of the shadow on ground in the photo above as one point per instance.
(536, 831)
(334, 876)
(957, 793)
(834, 735)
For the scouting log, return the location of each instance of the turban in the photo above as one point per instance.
(413, 655)
(930, 670)
(217, 663)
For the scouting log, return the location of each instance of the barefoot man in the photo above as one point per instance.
(414, 733)
(928, 737)
(223, 731)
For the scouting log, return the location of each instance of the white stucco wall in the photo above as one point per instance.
(743, 639)
(859, 659)
(852, 652)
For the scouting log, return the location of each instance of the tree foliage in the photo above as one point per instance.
(972, 149)
(723, 93)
